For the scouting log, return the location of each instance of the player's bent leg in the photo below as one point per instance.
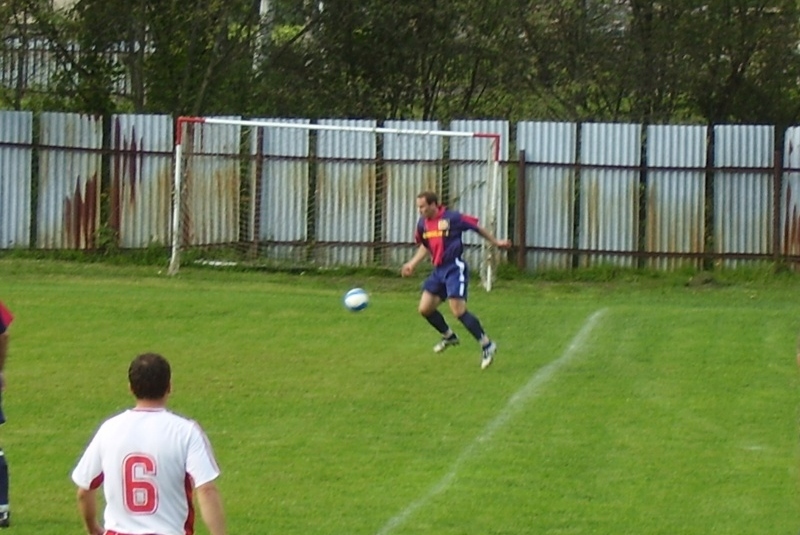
(428, 307)
(473, 325)
(449, 338)
(438, 322)
(458, 306)
(428, 303)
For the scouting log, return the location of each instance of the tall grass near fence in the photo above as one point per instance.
(645, 406)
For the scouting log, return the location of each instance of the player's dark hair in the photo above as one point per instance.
(429, 196)
(149, 375)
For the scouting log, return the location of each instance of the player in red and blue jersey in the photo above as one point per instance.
(439, 233)
(5, 321)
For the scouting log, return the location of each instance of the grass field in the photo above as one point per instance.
(638, 405)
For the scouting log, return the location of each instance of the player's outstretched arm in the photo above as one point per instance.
(87, 505)
(211, 508)
(502, 244)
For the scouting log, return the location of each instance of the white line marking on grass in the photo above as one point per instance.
(528, 391)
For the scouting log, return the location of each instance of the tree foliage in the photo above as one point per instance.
(589, 60)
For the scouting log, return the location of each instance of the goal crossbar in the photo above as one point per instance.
(314, 126)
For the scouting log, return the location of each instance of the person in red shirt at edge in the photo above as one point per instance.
(5, 321)
(439, 233)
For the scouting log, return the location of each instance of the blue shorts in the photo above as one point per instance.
(2, 415)
(449, 281)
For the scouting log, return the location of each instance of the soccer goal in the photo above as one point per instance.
(294, 194)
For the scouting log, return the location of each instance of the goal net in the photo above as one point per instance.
(293, 194)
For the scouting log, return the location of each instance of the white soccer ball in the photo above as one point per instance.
(356, 299)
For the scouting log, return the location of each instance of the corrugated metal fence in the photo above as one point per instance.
(577, 194)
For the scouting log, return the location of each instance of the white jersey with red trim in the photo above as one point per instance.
(148, 461)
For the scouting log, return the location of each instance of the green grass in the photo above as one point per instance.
(676, 413)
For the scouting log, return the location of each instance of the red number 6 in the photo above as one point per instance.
(139, 488)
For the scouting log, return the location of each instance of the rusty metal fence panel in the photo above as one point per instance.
(790, 196)
(412, 164)
(549, 202)
(68, 214)
(345, 194)
(348, 198)
(469, 172)
(141, 179)
(743, 193)
(285, 190)
(609, 197)
(16, 153)
(211, 184)
(675, 197)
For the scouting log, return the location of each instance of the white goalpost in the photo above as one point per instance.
(291, 193)
(489, 256)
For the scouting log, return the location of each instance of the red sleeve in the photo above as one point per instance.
(5, 317)
(470, 220)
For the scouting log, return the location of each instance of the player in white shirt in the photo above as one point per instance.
(149, 461)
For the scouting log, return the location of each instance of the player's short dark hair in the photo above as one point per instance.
(149, 375)
(429, 196)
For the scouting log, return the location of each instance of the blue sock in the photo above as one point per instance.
(472, 324)
(437, 320)
(3, 482)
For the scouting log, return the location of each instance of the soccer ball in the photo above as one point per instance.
(356, 299)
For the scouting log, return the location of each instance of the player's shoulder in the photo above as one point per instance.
(184, 422)
(114, 422)
(120, 416)
(455, 215)
(461, 217)
(179, 419)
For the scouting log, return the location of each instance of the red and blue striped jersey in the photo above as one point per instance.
(441, 235)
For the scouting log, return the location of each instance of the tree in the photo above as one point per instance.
(179, 57)
(202, 53)
(387, 60)
(574, 50)
(617, 60)
(743, 60)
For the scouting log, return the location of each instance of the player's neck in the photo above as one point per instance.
(150, 404)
